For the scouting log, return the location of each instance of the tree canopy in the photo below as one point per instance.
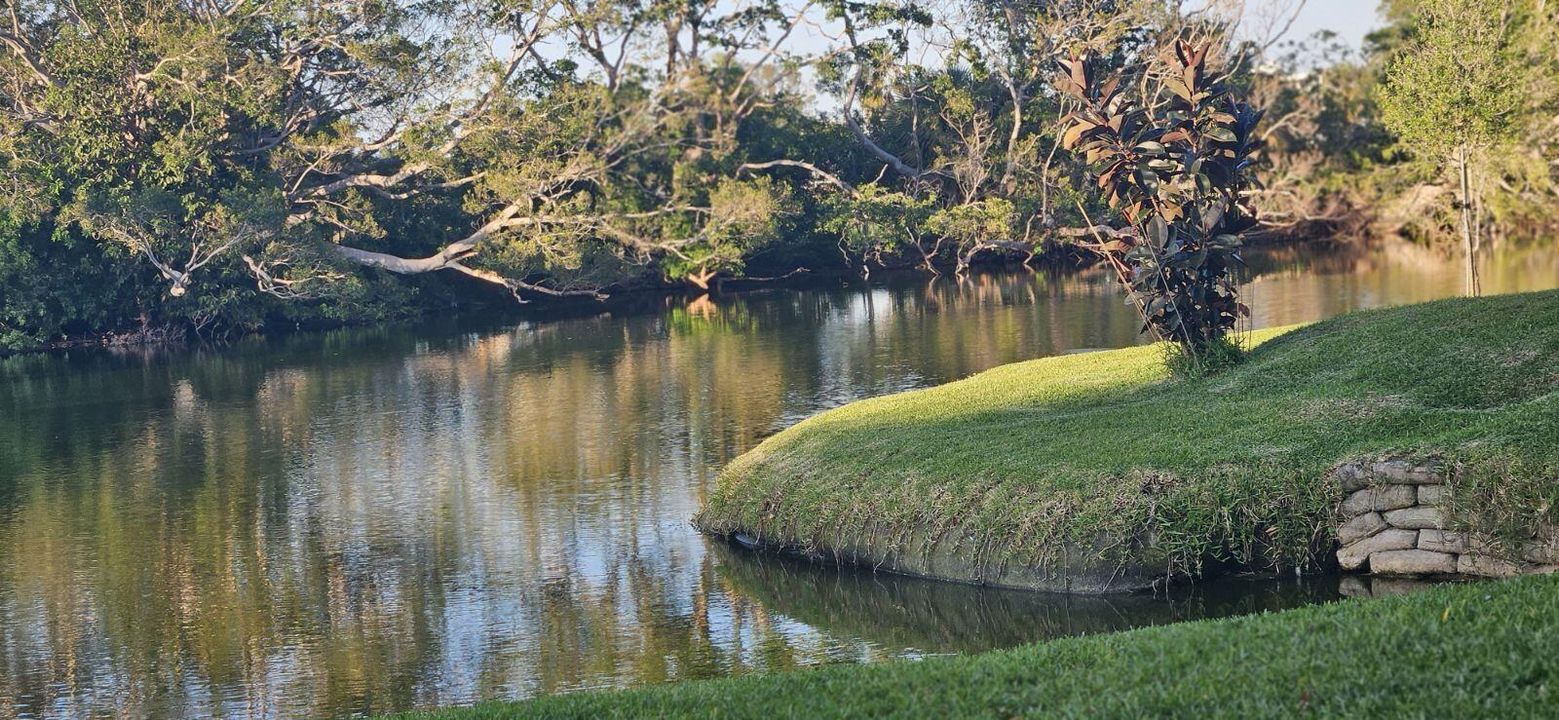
(221, 166)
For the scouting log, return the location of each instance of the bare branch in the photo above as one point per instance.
(25, 53)
(815, 170)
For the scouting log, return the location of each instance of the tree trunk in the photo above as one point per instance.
(1469, 238)
(1479, 231)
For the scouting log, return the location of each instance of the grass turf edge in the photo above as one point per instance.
(1467, 650)
(1036, 463)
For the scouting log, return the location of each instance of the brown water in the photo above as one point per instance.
(372, 520)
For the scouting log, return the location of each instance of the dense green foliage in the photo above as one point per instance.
(1454, 84)
(1225, 467)
(173, 166)
(1478, 650)
(1378, 138)
(1453, 93)
(235, 166)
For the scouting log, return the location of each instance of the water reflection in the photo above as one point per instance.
(370, 520)
(929, 617)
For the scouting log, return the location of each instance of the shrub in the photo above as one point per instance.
(1176, 165)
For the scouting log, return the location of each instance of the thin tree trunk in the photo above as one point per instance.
(1478, 231)
(1467, 233)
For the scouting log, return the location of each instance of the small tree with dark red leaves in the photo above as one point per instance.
(1178, 171)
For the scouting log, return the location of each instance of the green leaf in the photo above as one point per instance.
(1158, 231)
(1147, 180)
(1221, 134)
(1212, 216)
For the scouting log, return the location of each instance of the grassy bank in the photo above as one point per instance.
(1104, 452)
(1481, 650)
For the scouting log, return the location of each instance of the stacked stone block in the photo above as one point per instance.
(1392, 523)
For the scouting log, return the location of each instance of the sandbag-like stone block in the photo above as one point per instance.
(1360, 527)
(1542, 553)
(1389, 497)
(1392, 519)
(1416, 518)
(1402, 471)
(1412, 562)
(1352, 557)
(1442, 541)
(1486, 566)
(1351, 476)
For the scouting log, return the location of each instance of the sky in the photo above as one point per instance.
(1351, 19)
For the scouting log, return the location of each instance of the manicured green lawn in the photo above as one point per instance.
(1479, 650)
(1030, 458)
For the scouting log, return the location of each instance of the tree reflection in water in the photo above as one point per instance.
(379, 519)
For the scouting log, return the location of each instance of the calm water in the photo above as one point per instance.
(362, 521)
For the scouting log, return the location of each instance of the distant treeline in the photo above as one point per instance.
(222, 166)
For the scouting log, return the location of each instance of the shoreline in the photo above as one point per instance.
(1060, 259)
(1437, 652)
(1099, 473)
(930, 559)
(629, 297)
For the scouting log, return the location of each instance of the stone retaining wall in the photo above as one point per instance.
(1392, 523)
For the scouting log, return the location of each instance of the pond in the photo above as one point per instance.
(379, 519)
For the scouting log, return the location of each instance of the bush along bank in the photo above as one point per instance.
(1099, 472)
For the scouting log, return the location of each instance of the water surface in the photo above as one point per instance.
(371, 520)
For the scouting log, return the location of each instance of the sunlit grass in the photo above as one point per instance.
(1480, 650)
(1028, 457)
